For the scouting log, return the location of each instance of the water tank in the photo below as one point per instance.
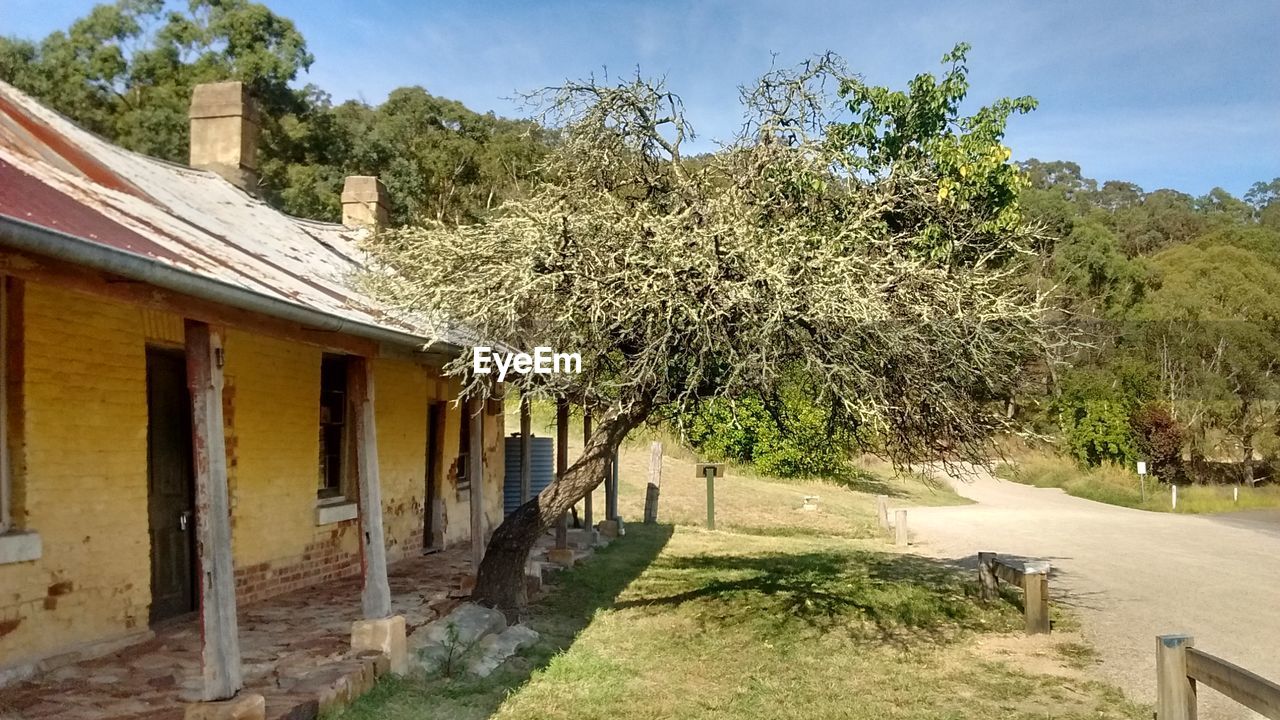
(541, 450)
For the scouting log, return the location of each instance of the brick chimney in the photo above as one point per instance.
(224, 132)
(365, 202)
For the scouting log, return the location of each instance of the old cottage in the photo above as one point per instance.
(198, 409)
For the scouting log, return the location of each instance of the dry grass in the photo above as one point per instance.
(746, 501)
(1119, 486)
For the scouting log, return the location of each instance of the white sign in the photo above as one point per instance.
(1142, 467)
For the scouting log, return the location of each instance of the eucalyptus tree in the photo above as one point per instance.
(866, 238)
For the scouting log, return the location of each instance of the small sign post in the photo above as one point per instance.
(709, 471)
(1142, 479)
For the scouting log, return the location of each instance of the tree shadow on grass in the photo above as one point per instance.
(559, 616)
(879, 597)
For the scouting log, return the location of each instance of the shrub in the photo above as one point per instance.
(794, 439)
(1158, 437)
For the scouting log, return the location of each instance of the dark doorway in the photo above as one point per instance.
(170, 485)
(433, 513)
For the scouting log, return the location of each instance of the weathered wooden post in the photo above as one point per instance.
(987, 590)
(709, 471)
(379, 630)
(900, 528)
(1175, 692)
(882, 510)
(611, 490)
(655, 484)
(588, 509)
(1175, 496)
(219, 633)
(475, 471)
(526, 451)
(562, 464)
(1035, 596)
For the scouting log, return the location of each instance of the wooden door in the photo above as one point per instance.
(433, 513)
(170, 485)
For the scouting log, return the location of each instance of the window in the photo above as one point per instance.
(18, 543)
(333, 428)
(462, 472)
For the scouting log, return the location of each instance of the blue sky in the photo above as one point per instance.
(1165, 94)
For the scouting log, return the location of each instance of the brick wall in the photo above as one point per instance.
(83, 467)
(84, 470)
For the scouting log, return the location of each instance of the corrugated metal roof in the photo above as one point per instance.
(61, 177)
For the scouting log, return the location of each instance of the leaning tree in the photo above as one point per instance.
(865, 239)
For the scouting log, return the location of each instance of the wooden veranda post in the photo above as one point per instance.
(655, 484)
(611, 489)
(475, 471)
(1175, 692)
(526, 458)
(219, 632)
(588, 509)
(375, 600)
(562, 464)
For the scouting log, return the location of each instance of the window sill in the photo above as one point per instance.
(335, 510)
(16, 547)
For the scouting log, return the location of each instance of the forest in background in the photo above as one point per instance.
(1166, 320)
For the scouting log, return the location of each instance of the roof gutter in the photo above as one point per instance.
(40, 240)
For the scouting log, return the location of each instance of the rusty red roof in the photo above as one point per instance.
(58, 176)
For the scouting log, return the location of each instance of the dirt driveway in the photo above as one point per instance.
(1131, 575)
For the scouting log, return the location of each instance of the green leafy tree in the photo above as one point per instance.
(1212, 327)
(126, 69)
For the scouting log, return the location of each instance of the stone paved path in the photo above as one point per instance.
(1131, 575)
(288, 645)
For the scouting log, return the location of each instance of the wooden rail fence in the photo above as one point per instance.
(1030, 575)
(1179, 666)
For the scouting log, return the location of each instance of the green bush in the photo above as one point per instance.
(793, 440)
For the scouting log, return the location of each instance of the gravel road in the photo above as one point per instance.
(1130, 574)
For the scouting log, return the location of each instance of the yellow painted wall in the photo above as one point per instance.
(272, 398)
(85, 477)
(400, 402)
(85, 456)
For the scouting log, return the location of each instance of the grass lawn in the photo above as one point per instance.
(783, 613)
(1119, 486)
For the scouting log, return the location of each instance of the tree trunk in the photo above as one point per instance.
(500, 582)
(1248, 458)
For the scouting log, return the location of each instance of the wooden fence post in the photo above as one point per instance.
(987, 577)
(1175, 692)
(1035, 596)
(655, 484)
(900, 531)
(882, 510)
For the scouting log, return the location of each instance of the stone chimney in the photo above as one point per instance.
(365, 202)
(224, 132)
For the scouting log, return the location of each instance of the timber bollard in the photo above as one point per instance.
(900, 529)
(1030, 575)
(655, 484)
(1175, 692)
(987, 590)
(709, 471)
(882, 510)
